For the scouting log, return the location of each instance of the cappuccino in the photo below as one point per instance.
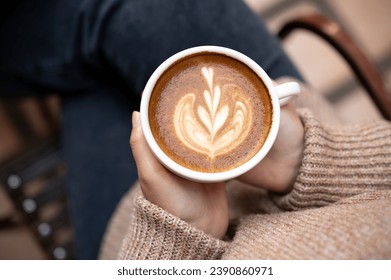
(209, 112)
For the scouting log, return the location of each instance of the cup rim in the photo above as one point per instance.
(199, 176)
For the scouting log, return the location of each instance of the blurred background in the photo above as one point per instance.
(368, 22)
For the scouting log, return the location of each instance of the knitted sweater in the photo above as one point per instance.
(339, 207)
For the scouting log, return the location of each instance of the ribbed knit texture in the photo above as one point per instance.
(339, 207)
(341, 231)
(340, 163)
(164, 236)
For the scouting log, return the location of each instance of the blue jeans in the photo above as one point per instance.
(98, 55)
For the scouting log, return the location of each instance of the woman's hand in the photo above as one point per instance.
(205, 206)
(279, 169)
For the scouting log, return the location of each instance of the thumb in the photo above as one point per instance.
(146, 162)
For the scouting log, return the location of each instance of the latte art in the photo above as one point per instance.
(209, 112)
(198, 127)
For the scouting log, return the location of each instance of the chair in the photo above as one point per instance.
(364, 70)
(33, 174)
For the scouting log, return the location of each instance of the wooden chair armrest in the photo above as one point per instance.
(362, 67)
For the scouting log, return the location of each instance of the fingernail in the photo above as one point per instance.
(135, 119)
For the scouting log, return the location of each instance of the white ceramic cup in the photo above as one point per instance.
(279, 95)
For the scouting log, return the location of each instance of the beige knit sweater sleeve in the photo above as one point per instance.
(339, 163)
(155, 234)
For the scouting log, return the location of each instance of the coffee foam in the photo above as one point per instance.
(200, 127)
(210, 113)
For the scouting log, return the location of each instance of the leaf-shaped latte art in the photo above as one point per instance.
(216, 128)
